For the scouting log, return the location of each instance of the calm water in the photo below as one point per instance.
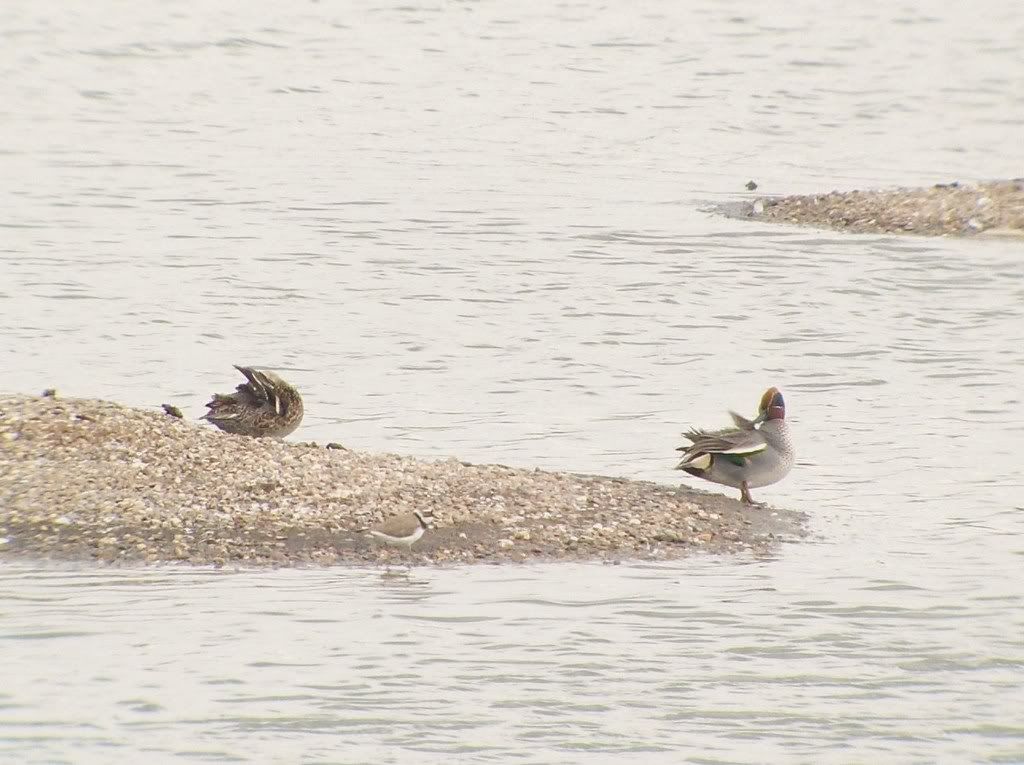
(476, 230)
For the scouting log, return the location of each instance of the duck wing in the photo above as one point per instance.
(265, 388)
(742, 422)
(736, 442)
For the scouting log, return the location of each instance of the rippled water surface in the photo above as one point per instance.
(478, 230)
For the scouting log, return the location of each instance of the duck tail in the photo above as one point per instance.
(693, 457)
(694, 460)
(221, 407)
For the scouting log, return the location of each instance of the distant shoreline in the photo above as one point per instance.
(87, 480)
(994, 208)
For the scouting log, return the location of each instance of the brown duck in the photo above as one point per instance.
(263, 406)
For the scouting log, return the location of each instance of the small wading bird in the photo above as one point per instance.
(403, 530)
(263, 406)
(755, 453)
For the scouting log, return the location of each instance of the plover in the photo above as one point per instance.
(403, 530)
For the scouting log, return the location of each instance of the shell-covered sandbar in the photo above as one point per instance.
(994, 208)
(93, 480)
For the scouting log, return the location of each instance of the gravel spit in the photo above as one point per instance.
(93, 480)
(946, 209)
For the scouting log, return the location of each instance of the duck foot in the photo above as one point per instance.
(745, 497)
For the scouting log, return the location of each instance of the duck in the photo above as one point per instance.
(264, 406)
(752, 454)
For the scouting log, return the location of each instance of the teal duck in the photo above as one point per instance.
(263, 406)
(752, 454)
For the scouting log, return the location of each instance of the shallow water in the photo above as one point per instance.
(478, 231)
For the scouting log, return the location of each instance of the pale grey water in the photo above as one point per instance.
(476, 230)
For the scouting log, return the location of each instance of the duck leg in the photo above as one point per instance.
(746, 499)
